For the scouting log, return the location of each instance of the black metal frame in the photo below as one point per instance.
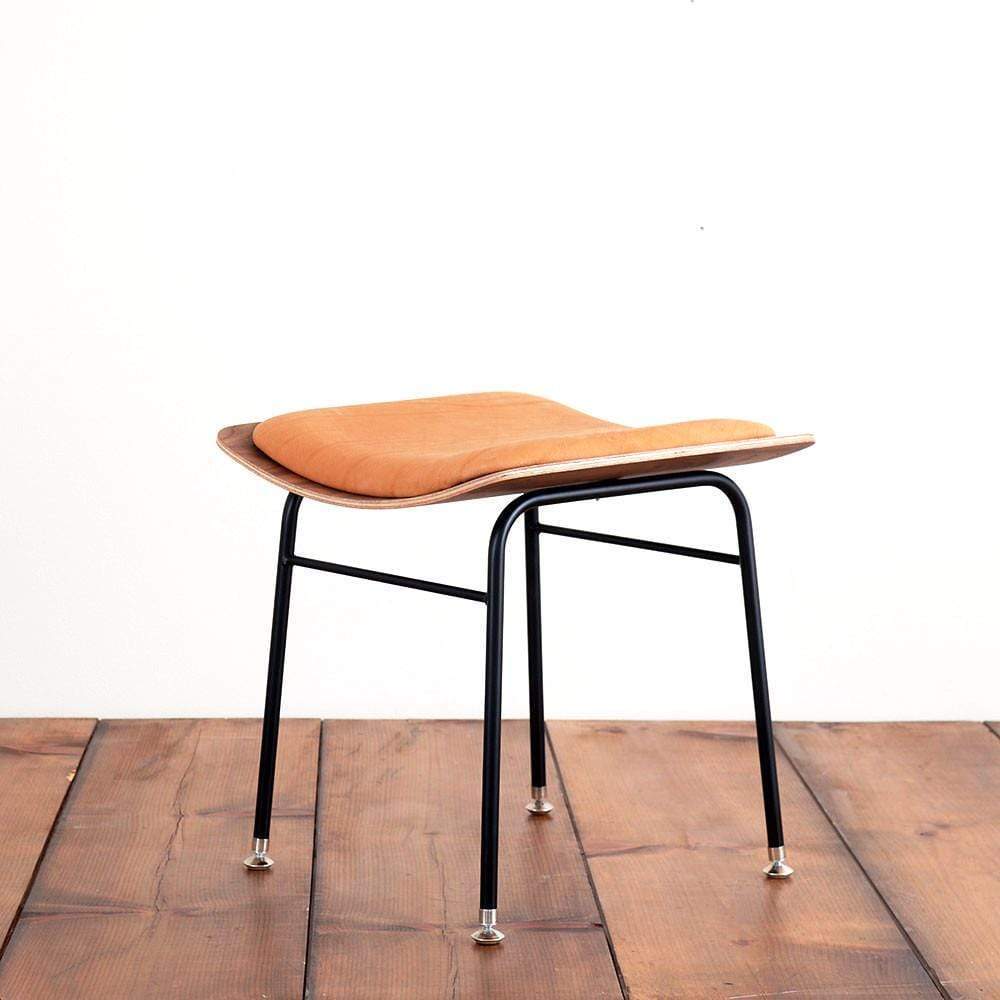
(528, 505)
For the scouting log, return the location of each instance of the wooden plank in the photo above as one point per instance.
(919, 805)
(38, 760)
(142, 892)
(237, 442)
(397, 874)
(670, 818)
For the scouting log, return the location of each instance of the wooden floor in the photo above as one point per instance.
(122, 844)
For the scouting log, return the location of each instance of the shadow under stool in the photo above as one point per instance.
(427, 451)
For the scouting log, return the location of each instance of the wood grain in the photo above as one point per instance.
(397, 874)
(142, 892)
(38, 760)
(671, 822)
(919, 804)
(237, 442)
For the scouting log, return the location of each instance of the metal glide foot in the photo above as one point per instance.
(260, 860)
(487, 933)
(539, 805)
(777, 868)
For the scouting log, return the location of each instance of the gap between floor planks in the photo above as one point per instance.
(396, 897)
(946, 920)
(141, 891)
(919, 805)
(38, 762)
(671, 822)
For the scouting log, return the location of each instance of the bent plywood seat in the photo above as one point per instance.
(426, 451)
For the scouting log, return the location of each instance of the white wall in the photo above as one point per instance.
(215, 211)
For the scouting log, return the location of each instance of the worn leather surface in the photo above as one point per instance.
(417, 446)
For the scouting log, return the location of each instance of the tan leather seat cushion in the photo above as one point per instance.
(417, 446)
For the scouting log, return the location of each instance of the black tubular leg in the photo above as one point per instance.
(490, 830)
(535, 693)
(275, 669)
(489, 851)
(530, 502)
(758, 671)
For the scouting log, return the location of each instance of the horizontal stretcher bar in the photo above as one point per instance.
(397, 581)
(639, 543)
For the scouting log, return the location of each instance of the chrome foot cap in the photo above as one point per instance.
(539, 804)
(487, 933)
(260, 860)
(777, 868)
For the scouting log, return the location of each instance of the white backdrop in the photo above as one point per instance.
(215, 211)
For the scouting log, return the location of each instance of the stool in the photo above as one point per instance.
(425, 451)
